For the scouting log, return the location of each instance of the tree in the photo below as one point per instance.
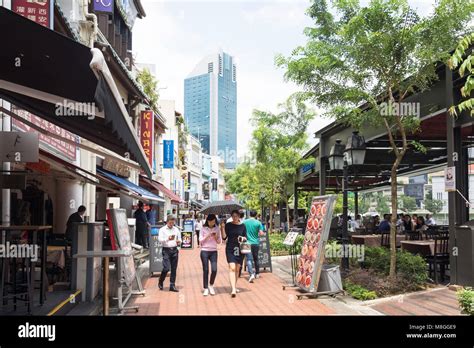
(466, 67)
(434, 206)
(408, 204)
(277, 144)
(149, 83)
(361, 62)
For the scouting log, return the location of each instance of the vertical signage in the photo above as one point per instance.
(312, 252)
(450, 179)
(168, 154)
(104, 6)
(146, 134)
(39, 11)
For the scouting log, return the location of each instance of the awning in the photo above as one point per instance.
(42, 69)
(161, 188)
(196, 204)
(142, 194)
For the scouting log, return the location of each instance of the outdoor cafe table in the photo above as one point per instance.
(35, 230)
(373, 240)
(422, 247)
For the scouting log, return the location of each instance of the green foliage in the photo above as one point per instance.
(277, 143)
(466, 67)
(148, 82)
(276, 243)
(466, 300)
(411, 268)
(433, 205)
(408, 204)
(358, 292)
(359, 56)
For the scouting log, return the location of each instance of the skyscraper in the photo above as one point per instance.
(210, 106)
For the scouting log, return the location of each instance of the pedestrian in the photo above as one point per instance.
(254, 230)
(170, 238)
(234, 233)
(151, 215)
(430, 221)
(408, 224)
(198, 228)
(384, 226)
(420, 224)
(74, 218)
(210, 236)
(142, 225)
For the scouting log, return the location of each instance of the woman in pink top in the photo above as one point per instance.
(209, 237)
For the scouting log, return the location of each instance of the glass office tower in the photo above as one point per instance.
(210, 106)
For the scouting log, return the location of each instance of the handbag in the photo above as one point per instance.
(245, 248)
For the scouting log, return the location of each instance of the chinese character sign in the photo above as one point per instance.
(146, 134)
(168, 154)
(38, 11)
(104, 6)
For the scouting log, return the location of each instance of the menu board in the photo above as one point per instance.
(120, 240)
(156, 251)
(312, 252)
(264, 257)
(290, 238)
(187, 240)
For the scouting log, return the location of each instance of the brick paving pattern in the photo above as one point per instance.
(263, 297)
(435, 302)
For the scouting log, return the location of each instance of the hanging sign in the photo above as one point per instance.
(450, 179)
(168, 154)
(146, 134)
(104, 6)
(39, 11)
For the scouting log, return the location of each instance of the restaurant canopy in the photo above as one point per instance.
(134, 190)
(42, 70)
(158, 186)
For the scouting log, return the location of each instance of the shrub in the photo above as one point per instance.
(466, 300)
(411, 268)
(359, 292)
(277, 246)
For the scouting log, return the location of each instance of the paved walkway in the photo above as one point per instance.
(263, 297)
(439, 301)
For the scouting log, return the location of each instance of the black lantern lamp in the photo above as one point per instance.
(355, 150)
(336, 156)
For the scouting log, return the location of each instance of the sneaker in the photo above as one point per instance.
(237, 290)
(252, 277)
(206, 292)
(211, 290)
(257, 276)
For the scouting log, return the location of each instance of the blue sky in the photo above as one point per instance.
(176, 34)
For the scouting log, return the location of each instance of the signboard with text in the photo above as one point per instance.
(54, 146)
(39, 11)
(168, 154)
(264, 256)
(146, 134)
(104, 6)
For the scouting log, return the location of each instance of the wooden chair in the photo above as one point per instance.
(412, 235)
(440, 257)
(385, 239)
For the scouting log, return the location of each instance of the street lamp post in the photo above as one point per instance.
(344, 157)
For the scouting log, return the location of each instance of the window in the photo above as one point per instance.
(220, 65)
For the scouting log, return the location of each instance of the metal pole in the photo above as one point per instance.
(345, 260)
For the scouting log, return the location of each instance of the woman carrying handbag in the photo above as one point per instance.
(236, 234)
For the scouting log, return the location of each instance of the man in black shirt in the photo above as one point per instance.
(75, 217)
(142, 225)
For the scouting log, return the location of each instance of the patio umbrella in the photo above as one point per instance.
(220, 207)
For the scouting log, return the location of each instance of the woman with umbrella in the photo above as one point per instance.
(235, 233)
